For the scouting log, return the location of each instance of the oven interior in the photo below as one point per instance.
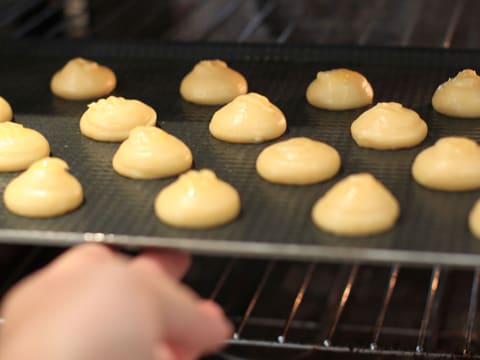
(288, 309)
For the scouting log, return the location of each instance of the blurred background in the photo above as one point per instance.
(424, 23)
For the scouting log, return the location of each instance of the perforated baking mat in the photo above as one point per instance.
(275, 220)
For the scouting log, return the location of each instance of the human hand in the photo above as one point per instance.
(92, 303)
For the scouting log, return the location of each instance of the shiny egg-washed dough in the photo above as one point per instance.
(82, 79)
(197, 200)
(212, 82)
(298, 161)
(474, 219)
(45, 189)
(339, 89)
(151, 153)
(358, 205)
(388, 126)
(249, 118)
(20, 147)
(113, 118)
(6, 113)
(460, 96)
(452, 164)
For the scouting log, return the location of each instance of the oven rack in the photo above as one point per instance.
(425, 337)
(298, 310)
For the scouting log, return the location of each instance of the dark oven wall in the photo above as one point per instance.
(425, 23)
(288, 309)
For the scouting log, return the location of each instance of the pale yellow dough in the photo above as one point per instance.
(388, 126)
(452, 164)
(474, 219)
(197, 200)
(45, 189)
(212, 82)
(249, 118)
(298, 161)
(459, 96)
(20, 147)
(82, 79)
(151, 153)
(358, 205)
(113, 118)
(6, 113)
(339, 89)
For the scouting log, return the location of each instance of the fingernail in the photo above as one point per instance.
(211, 308)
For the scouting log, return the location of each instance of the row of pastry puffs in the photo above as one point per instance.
(358, 205)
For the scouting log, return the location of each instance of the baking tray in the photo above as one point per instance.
(275, 220)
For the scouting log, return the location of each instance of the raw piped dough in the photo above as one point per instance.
(20, 147)
(212, 82)
(82, 79)
(339, 89)
(474, 219)
(150, 153)
(45, 189)
(459, 96)
(452, 164)
(197, 200)
(250, 118)
(358, 205)
(6, 113)
(298, 161)
(113, 118)
(388, 126)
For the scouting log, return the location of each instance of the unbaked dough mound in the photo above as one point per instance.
(212, 82)
(45, 189)
(197, 200)
(6, 113)
(249, 118)
(298, 161)
(474, 219)
(113, 118)
(460, 96)
(358, 205)
(20, 147)
(452, 164)
(82, 79)
(389, 126)
(151, 153)
(339, 89)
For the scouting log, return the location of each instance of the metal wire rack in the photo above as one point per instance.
(310, 308)
(300, 310)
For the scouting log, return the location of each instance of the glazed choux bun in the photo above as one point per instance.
(45, 189)
(6, 113)
(249, 118)
(20, 147)
(151, 153)
(339, 89)
(212, 82)
(452, 164)
(459, 96)
(82, 79)
(298, 161)
(197, 200)
(389, 126)
(358, 205)
(113, 118)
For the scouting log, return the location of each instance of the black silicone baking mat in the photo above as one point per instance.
(275, 220)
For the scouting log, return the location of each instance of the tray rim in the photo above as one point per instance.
(243, 249)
